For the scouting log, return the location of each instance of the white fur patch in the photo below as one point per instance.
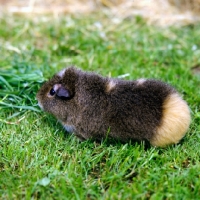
(61, 73)
(69, 128)
(175, 122)
(111, 85)
(56, 86)
(140, 81)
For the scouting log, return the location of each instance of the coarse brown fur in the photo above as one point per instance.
(95, 107)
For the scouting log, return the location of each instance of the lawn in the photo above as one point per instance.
(38, 160)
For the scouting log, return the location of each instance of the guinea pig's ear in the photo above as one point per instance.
(61, 91)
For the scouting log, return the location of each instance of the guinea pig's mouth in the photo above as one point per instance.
(40, 105)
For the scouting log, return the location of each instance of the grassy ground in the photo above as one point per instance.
(39, 161)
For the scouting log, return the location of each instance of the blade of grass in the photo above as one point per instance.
(20, 107)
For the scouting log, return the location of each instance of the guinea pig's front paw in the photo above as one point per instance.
(69, 128)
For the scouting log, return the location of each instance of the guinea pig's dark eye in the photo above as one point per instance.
(52, 92)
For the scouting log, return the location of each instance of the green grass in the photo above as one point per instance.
(39, 161)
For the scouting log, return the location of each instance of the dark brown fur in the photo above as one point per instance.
(130, 111)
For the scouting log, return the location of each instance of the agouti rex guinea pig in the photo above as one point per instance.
(92, 106)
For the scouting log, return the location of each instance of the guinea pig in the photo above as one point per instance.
(96, 107)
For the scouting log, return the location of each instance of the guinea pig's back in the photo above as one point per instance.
(136, 107)
(142, 109)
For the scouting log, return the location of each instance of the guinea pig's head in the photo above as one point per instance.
(56, 94)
